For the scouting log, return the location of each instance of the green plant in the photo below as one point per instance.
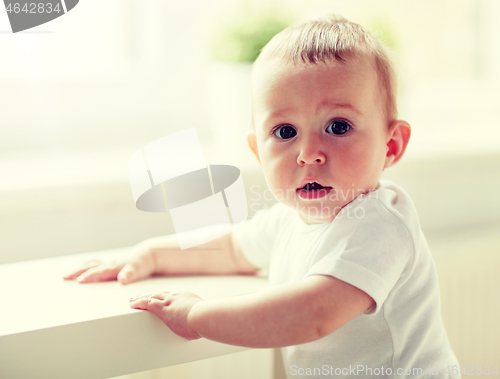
(383, 29)
(242, 38)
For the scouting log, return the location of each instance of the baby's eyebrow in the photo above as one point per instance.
(285, 112)
(330, 104)
(269, 119)
(279, 114)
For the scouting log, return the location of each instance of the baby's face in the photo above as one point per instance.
(319, 123)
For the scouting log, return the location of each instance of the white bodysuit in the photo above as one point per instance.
(375, 244)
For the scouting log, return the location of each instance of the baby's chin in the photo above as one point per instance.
(314, 211)
(305, 217)
(321, 205)
(328, 196)
(299, 195)
(313, 194)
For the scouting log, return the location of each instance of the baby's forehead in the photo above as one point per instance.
(280, 75)
(272, 70)
(285, 87)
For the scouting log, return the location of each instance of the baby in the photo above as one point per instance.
(353, 288)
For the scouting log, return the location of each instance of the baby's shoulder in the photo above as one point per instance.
(396, 200)
(386, 215)
(388, 205)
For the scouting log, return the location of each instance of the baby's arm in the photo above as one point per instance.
(284, 315)
(162, 256)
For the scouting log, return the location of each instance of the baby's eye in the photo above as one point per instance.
(338, 127)
(285, 132)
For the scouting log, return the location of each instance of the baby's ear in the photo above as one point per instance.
(252, 143)
(398, 136)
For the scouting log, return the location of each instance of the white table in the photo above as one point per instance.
(51, 328)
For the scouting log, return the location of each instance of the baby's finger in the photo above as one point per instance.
(84, 267)
(74, 274)
(133, 272)
(152, 295)
(147, 303)
(139, 268)
(98, 274)
(160, 295)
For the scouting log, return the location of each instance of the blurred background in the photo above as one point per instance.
(82, 93)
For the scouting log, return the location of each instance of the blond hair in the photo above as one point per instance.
(335, 38)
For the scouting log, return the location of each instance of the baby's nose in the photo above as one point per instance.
(311, 154)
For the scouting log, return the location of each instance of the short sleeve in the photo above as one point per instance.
(255, 237)
(370, 253)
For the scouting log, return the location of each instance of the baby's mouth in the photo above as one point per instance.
(313, 191)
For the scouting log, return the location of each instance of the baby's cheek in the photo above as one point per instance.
(274, 172)
(353, 167)
(364, 169)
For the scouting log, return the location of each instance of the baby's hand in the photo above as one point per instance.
(141, 266)
(172, 308)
